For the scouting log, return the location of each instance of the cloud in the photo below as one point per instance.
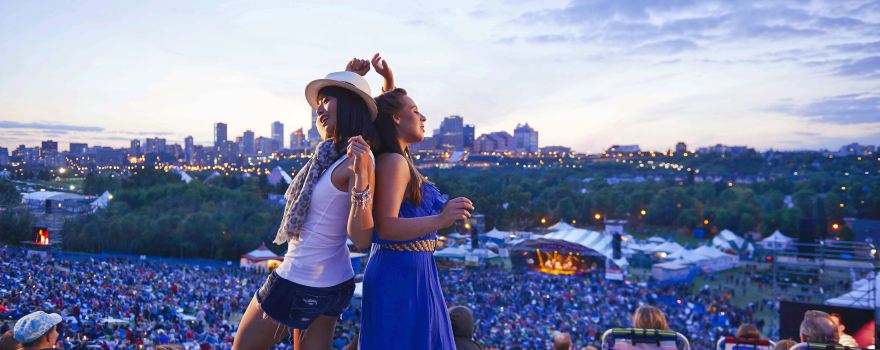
(668, 46)
(844, 109)
(868, 67)
(680, 25)
(860, 47)
(48, 127)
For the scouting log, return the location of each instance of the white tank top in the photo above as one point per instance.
(321, 258)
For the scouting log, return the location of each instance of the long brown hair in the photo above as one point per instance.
(649, 317)
(390, 103)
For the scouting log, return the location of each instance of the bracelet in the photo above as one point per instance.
(360, 199)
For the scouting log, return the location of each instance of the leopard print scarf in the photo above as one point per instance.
(299, 193)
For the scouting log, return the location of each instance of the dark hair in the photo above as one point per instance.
(352, 118)
(747, 331)
(8, 342)
(389, 104)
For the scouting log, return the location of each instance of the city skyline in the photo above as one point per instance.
(790, 75)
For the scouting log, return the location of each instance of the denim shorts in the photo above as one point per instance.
(297, 306)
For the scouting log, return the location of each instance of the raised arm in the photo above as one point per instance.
(381, 67)
(391, 181)
(361, 185)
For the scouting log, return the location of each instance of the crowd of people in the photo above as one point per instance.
(123, 303)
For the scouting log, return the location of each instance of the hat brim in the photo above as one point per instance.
(313, 88)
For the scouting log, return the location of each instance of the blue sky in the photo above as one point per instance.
(587, 74)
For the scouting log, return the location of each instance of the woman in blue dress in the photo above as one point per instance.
(403, 305)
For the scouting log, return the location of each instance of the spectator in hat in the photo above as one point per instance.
(462, 319)
(37, 330)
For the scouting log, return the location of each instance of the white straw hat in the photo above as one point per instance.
(347, 80)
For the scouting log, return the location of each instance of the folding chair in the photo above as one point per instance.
(643, 339)
(822, 346)
(734, 343)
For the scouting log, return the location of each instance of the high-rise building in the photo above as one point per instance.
(278, 136)
(525, 138)
(452, 133)
(264, 145)
(155, 145)
(188, 150)
(219, 134)
(78, 149)
(297, 139)
(681, 147)
(48, 148)
(468, 133)
(314, 136)
(248, 147)
(499, 141)
(4, 156)
(135, 148)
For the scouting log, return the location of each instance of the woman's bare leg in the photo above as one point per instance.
(319, 336)
(256, 332)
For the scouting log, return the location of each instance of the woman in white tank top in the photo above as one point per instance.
(328, 201)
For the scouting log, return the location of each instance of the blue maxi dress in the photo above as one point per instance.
(403, 304)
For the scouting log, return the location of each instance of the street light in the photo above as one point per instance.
(543, 221)
(597, 216)
(643, 212)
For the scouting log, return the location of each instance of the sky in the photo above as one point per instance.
(784, 75)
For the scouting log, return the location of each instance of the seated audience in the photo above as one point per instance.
(819, 327)
(649, 317)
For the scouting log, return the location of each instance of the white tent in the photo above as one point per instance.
(777, 241)
(598, 241)
(727, 240)
(277, 175)
(670, 271)
(711, 259)
(656, 240)
(183, 175)
(451, 253)
(560, 226)
(498, 234)
(860, 297)
(102, 201)
(484, 253)
(258, 258)
(667, 247)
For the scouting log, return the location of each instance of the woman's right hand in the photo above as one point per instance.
(358, 66)
(456, 209)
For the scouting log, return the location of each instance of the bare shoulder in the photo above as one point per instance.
(392, 165)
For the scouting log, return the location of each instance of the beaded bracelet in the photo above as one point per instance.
(360, 199)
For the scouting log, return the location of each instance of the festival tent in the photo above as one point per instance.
(727, 240)
(860, 297)
(102, 201)
(715, 260)
(183, 175)
(451, 253)
(777, 241)
(671, 271)
(259, 259)
(497, 235)
(598, 241)
(666, 248)
(656, 240)
(483, 253)
(277, 175)
(560, 226)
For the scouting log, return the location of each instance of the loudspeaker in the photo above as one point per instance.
(615, 244)
(807, 238)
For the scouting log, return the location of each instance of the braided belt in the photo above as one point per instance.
(425, 245)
